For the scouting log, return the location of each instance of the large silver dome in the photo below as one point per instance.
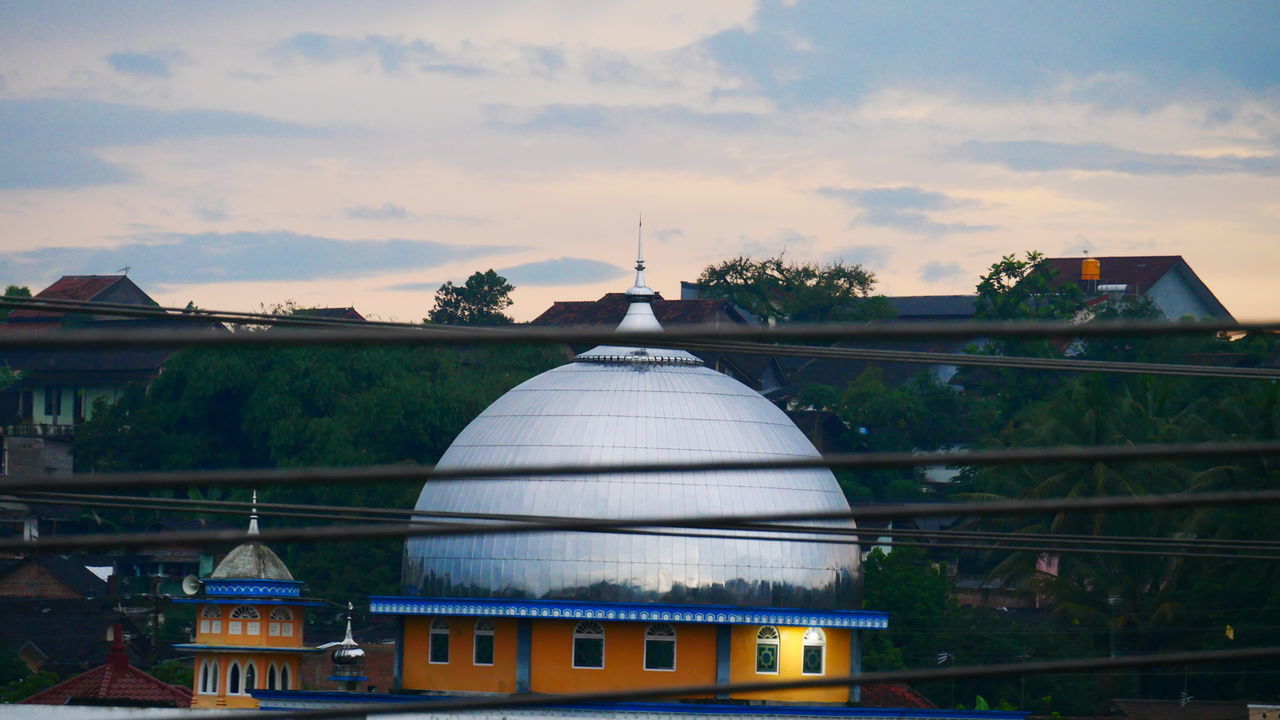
(620, 405)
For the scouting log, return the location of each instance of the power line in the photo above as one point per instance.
(419, 473)
(670, 337)
(1095, 665)
(809, 351)
(1047, 542)
(371, 532)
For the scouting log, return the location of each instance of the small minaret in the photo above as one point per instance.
(640, 317)
(348, 660)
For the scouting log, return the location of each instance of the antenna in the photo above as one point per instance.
(640, 243)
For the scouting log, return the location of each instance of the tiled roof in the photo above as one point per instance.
(69, 287)
(894, 695)
(941, 307)
(610, 309)
(1138, 271)
(116, 681)
(333, 313)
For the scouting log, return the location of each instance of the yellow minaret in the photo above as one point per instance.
(249, 620)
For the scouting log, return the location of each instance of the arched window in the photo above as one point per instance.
(244, 613)
(271, 677)
(588, 645)
(284, 677)
(209, 621)
(250, 676)
(233, 679)
(482, 646)
(814, 659)
(208, 678)
(438, 645)
(767, 650)
(281, 622)
(660, 647)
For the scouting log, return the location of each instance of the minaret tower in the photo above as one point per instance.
(249, 620)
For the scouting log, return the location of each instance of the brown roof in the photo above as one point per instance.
(70, 287)
(115, 682)
(894, 695)
(1139, 272)
(610, 309)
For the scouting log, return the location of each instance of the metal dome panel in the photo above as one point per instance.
(599, 410)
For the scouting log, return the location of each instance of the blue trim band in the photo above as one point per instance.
(252, 588)
(628, 612)
(249, 601)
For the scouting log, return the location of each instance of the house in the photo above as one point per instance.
(114, 683)
(1167, 280)
(57, 390)
(49, 576)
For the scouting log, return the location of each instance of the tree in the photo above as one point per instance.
(1016, 289)
(478, 301)
(776, 289)
(14, 291)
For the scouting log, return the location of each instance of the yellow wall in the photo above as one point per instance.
(742, 664)
(552, 671)
(221, 699)
(460, 673)
(263, 638)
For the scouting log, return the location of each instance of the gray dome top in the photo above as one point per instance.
(632, 405)
(252, 560)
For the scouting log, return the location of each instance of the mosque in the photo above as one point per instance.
(555, 612)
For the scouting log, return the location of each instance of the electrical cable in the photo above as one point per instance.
(371, 532)
(1094, 665)
(779, 350)
(420, 473)
(870, 536)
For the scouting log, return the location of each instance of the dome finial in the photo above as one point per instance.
(640, 289)
(349, 640)
(639, 317)
(253, 515)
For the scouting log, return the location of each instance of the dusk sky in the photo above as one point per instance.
(343, 153)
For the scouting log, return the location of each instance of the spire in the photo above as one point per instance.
(639, 290)
(253, 515)
(349, 640)
(639, 317)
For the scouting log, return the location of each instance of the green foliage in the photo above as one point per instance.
(23, 688)
(478, 301)
(14, 291)
(174, 672)
(776, 289)
(11, 666)
(221, 408)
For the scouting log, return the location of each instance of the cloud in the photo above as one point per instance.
(668, 234)
(543, 61)
(596, 118)
(211, 212)
(50, 142)
(394, 54)
(558, 271)
(811, 54)
(151, 65)
(193, 259)
(386, 211)
(1038, 156)
(904, 208)
(936, 271)
(869, 256)
(607, 66)
(562, 271)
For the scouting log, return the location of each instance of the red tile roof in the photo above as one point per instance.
(114, 682)
(894, 695)
(70, 287)
(610, 309)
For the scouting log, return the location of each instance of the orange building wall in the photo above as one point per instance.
(221, 699)
(742, 664)
(551, 663)
(262, 639)
(460, 673)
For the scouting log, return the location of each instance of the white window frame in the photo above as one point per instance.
(281, 613)
(235, 627)
(439, 626)
(208, 677)
(286, 629)
(215, 627)
(273, 629)
(249, 665)
(285, 676)
(655, 633)
(814, 637)
(273, 676)
(587, 630)
(484, 628)
(768, 635)
(234, 671)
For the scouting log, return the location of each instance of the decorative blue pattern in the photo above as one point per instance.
(629, 612)
(252, 588)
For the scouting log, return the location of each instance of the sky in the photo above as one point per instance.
(359, 154)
